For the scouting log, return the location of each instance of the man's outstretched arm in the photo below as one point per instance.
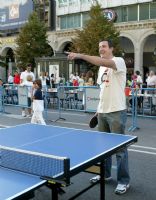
(95, 60)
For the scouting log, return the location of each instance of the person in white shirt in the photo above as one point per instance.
(111, 110)
(29, 83)
(139, 81)
(151, 80)
(23, 79)
(43, 80)
(81, 80)
(151, 83)
(25, 73)
(10, 79)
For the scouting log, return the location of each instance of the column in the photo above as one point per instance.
(138, 58)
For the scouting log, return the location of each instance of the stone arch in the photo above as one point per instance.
(128, 36)
(63, 43)
(5, 49)
(8, 53)
(51, 50)
(149, 45)
(127, 45)
(145, 35)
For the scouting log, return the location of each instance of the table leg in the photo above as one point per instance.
(102, 180)
(54, 191)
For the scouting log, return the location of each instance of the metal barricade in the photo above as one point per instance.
(143, 104)
(16, 95)
(1, 99)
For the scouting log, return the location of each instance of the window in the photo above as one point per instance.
(121, 14)
(133, 13)
(63, 23)
(70, 21)
(85, 18)
(153, 11)
(144, 11)
(62, 3)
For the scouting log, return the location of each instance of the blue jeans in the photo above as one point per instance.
(115, 123)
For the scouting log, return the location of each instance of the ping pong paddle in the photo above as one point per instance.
(93, 122)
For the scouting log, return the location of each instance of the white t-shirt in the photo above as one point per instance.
(10, 79)
(112, 95)
(81, 81)
(43, 80)
(24, 75)
(139, 79)
(151, 80)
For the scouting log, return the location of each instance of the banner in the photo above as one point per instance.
(23, 96)
(92, 98)
(14, 13)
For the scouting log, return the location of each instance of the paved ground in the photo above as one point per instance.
(142, 157)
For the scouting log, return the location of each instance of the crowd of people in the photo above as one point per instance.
(84, 79)
(139, 85)
(138, 82)
(27, 78)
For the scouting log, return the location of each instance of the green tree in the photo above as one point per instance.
(97, 27)
(32, 42)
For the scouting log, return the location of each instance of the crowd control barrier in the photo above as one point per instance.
(15, 95)
(140, 102)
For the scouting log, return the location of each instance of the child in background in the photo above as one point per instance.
(38, 105)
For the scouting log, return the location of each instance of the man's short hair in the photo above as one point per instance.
(137, 72)
(110, 42)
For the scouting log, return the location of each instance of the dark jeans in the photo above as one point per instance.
(115, 123)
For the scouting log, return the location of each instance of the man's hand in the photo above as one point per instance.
(72, 56)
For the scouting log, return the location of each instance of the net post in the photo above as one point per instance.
(67, 171)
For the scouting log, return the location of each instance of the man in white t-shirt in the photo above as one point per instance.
(27, 72)
(23, 79)
(111, 110)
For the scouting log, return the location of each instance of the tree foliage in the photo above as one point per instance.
(97, 28)
(32, 42)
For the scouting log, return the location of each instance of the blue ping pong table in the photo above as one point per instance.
(33, 155)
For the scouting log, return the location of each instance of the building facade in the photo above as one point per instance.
(134, 19)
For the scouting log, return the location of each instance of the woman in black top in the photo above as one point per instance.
(38, 105)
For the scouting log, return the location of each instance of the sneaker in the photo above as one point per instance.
(23, 114)
(97, 178)
(121, 188)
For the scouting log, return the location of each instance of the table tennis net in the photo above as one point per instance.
(43, 165)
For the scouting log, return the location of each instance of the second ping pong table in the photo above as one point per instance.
(33, 155)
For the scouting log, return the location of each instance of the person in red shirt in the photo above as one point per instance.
(75, 82)
(16, 78)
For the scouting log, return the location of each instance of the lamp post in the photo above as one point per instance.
(154, 52)
(123, 53)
